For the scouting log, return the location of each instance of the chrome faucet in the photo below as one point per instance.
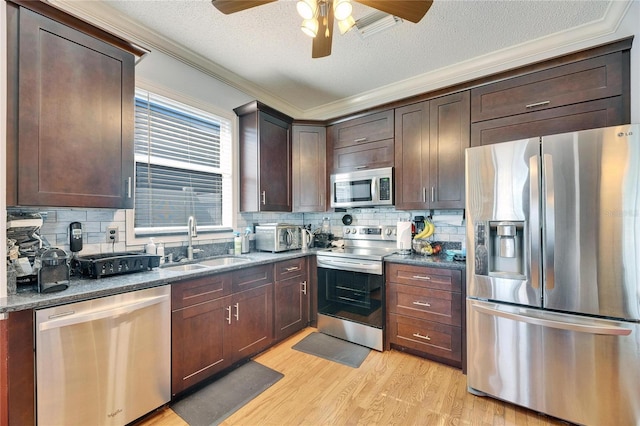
(192, 231)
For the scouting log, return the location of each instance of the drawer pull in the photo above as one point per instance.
(420, 336)
(359, 140)
(422, 277)
(537, 104)
(421, 303)
(292, 268)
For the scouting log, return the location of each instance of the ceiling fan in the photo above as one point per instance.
(318, 15)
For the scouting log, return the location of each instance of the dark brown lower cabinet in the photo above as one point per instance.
(292, 296)
(18, 385)
(425, 312)
(212, 328)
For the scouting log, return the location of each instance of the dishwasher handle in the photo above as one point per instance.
(62, 320)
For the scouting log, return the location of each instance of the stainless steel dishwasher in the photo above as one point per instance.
(104, 361)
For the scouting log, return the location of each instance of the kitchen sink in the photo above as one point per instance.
(186, 267)
(224, 260)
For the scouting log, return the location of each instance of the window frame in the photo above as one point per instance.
(179, 233)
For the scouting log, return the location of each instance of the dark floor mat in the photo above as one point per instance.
(333, 349)
(217, 401)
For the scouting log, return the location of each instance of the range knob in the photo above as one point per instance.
(347, 231)
(354, 231)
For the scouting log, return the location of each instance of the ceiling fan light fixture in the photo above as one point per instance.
(346, 24)
(310, 27)
(342, 9)
(307, 9)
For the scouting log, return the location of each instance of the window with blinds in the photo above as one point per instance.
(183, 167)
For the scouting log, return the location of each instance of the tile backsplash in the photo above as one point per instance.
(95, 222)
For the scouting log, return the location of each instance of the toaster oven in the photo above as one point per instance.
(275, 237)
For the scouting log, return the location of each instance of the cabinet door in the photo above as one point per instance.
(450, 128)
(197, 342)
(362, 143)
(586, 115)
(291, 306)
(275, 164)
(251, 329)
(309, 168)
(594, 78)
(75, 131)
(412, 157)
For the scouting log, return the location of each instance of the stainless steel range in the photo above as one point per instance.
(351, 285)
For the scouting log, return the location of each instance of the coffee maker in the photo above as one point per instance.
(53, 274)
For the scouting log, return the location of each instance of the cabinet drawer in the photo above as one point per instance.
(366, 129)
(291, 268)
(586, 80)
(193, 292)
(421, 276)
(419, 302)
(248, 278)
(432, 338)
(370, 155)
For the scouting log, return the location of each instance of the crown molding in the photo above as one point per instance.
(561, 43)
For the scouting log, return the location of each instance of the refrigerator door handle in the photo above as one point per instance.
(561, 325)
(534, 221)
(549, 221)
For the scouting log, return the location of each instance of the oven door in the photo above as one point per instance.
(352, 296)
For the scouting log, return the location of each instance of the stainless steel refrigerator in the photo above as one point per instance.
(553, 275)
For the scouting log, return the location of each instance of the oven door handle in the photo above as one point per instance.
(350, 265)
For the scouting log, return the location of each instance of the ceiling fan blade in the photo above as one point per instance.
(233, 6)
(322, 41)
(410, 10)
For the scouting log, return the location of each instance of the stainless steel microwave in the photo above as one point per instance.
(362, 188)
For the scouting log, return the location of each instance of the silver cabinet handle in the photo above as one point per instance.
(360, 167)
(292, 268)
(228, 308)
(360, 140)
(304, 287)
(433, 194)
(421, 303)
(237, 315)
(263, 197)
(424, 194)
(129, 187)
(421, 277)
(537, 104)
(420, 336)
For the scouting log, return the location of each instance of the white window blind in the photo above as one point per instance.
(183, 167)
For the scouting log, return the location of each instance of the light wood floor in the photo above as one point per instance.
(389, 388)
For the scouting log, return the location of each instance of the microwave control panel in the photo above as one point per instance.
(385, 189)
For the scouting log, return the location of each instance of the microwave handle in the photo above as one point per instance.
(374, 189)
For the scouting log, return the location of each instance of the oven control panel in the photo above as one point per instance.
(371, 233)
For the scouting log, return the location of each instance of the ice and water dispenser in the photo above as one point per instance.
(500, 249)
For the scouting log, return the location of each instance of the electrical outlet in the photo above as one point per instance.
(112, 234)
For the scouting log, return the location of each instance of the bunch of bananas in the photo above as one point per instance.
(429, 229)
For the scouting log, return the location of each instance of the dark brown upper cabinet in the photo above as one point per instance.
(265, 159)
(362, 143)
(583, 94)
(70, 114)
(309, 168)
(430, 139)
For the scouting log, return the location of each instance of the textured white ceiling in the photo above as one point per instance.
(265, 46)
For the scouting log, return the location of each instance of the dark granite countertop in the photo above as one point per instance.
(440, 261)
(87, 288)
